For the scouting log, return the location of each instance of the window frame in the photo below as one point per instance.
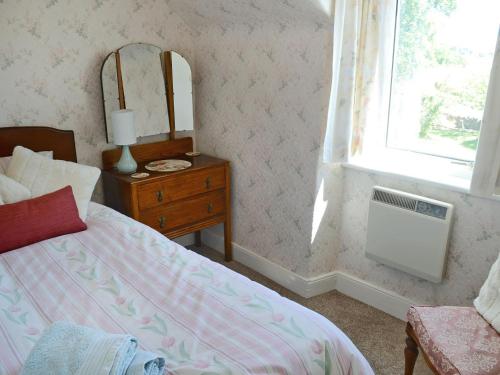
(452, 159)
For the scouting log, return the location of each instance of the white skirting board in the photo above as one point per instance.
(384, 300)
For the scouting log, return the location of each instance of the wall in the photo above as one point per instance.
(51, 54)
(262, 90)
(474, 242)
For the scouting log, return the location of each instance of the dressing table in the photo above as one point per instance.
(174, 203)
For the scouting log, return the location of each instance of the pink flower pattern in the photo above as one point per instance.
(168, 342)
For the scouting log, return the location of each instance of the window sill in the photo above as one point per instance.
(417, 168)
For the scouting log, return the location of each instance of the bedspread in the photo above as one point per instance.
(123, 277)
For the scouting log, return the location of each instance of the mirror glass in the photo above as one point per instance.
(144, 88)
(183, 92)
(109, 92)
(134, 78)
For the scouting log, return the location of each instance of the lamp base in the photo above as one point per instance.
(126, 164)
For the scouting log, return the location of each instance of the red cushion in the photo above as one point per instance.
(38, 219)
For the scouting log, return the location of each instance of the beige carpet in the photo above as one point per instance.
(379, 336)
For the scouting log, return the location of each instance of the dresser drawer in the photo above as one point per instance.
(189, 211)
(180, 186)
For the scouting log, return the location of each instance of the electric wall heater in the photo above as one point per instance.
(408, 232)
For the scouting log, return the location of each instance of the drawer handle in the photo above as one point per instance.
(159, 195)
(208, 182)
(162, 221)
(210, 207)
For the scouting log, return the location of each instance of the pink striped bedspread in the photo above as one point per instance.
(122, 276)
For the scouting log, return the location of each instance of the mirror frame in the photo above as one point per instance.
(168, 81)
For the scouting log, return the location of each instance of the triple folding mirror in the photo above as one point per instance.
(156, 84)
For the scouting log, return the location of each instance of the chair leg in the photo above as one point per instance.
(411, 354)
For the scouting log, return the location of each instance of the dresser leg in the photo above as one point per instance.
(228, 245)
(197, 238)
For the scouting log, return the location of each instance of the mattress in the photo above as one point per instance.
(121, 276)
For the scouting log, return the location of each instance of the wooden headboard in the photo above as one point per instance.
(39, 138)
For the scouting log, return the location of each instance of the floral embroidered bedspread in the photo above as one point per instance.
(121, 276)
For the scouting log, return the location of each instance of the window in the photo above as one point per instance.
(443, 53)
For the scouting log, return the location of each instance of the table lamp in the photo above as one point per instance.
(122, 123)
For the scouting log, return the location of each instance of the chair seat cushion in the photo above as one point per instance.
(457, 340)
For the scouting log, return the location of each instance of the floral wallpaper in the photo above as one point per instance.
(51, 53)
(474, 241)
(261, 103)
(262, 76)
(262, 91)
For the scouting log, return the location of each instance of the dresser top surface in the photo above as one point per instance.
(198, 163)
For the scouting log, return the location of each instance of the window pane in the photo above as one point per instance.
(442, 61)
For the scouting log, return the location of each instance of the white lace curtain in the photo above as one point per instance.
(362, 61)
(485, 179)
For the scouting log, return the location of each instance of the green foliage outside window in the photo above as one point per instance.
(451, 108)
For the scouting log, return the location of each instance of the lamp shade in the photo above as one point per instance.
(122, 123)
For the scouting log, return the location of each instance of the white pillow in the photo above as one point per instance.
(43, 176)
(12, 191)
(488, 301)
(4, 161)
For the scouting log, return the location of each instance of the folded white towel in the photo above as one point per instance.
(67, 348)
(146, 363)
(488, 301)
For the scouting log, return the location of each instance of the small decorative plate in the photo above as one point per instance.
(193, 153)
(169, 165)
(140, 175)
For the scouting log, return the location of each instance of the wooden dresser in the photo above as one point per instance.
(175, 203)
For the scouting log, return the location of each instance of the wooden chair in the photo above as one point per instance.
(453, 341)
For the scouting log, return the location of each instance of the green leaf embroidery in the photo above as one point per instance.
(17, 296)
(10, 316)
(183, 352)
(255, 306)
(207, 271)
(328, 360)
(230, 290)
(221, 291)
(83, 275)
(7, 297)
(296, 327)
(131, 308)
(110, 290)
(23, 317)
(320, 363)
(266, 303)
(120, 311)
(113, 284)
(226, 370)
(286, 329)
(161, 322)
(32, 339)
(62, 248)
(153, 329)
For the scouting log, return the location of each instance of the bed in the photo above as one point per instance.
(122, 276)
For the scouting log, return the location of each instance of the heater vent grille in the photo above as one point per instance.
(395, 200)
(408, 203)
